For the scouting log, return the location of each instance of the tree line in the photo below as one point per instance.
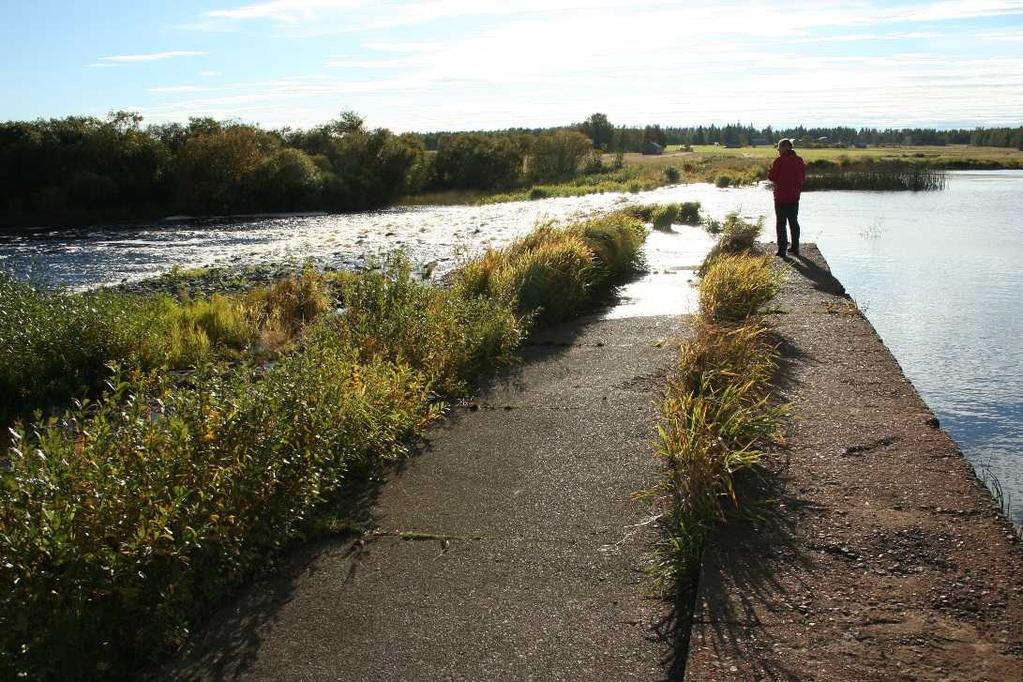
(87, 169)
(612, 138)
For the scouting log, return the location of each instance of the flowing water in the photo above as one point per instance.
(937, 273)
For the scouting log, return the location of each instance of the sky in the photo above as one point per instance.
(489, 64)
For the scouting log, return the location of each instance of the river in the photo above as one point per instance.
(938, 274)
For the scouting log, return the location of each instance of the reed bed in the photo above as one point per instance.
(874, 176)
(129, 515)
(718, 417)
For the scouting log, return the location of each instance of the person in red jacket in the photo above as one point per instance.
(788, 174)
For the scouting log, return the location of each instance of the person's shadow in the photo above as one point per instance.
(808, 264)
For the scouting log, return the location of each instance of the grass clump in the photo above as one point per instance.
(737, 287)
(551, 273)
(662, 216)
(718, 417)
(735, 236)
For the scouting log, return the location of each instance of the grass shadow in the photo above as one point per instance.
(227, 643)
(736, 593)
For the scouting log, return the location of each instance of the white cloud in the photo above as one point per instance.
(209, 74)
(349, 63)
(317, 17)
(545, 62)
(285, 11)
(149, 57)
(175, 89)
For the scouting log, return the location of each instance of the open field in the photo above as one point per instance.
(947, 154)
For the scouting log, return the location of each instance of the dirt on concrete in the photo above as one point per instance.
(884, 557)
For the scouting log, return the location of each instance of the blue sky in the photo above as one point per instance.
(463, 64)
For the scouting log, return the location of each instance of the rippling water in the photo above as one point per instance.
(937, 273)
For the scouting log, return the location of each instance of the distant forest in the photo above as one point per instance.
(86, 169)
(609, 137)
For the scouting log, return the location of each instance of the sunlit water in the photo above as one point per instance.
(937, 273)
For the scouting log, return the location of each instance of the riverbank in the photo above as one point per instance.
(885, 558)
(137, 507)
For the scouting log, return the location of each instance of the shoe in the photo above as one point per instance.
(794, 250)
(782, 255)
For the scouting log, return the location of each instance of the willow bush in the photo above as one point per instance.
(127, 517)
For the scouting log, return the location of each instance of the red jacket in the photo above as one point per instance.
(787, 173)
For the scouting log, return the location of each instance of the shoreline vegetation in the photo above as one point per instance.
(164, 449)
(86, 170)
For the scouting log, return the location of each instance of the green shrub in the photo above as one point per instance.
(736, 287)
(56, 345)
(663, 216)
(594, 163)
(453, 340)
(126, 515)
(672, 174)
(689, 213)
(735, 236)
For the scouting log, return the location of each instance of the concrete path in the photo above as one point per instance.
(511, 549)
(885, 559)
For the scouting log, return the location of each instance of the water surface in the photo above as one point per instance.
(937, 273)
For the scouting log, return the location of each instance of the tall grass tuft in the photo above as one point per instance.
(552, 272)
(718, 417)
(662, 216)
(616, 241)
(290, 303)
(737, 287)
(735, 236)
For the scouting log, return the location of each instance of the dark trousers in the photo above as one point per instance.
(788, 211)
